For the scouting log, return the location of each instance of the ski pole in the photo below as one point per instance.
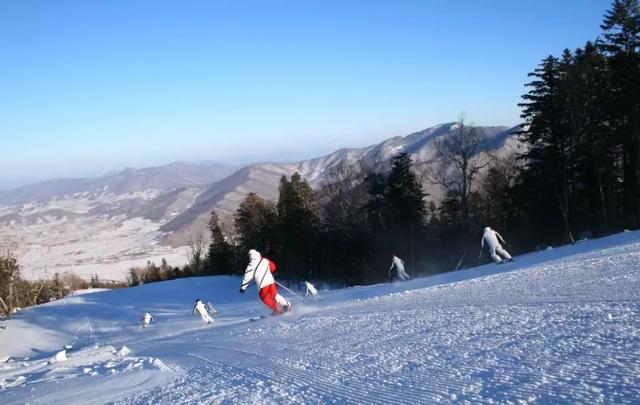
(460, 261)
(288, 289)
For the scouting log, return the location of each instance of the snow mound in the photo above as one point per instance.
(59, 357)
(89, 291)
(84, 368)
(124, 351)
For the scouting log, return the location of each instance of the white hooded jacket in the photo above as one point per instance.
(200, 309)
(398, 262)
(258, 269)
(491, 237)
(311, 290)
(146, 319)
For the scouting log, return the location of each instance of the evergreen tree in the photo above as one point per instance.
(375, 209)
(256, 222)
(595, 185)
(165, 270)
(220, 252)
(299, 225)
(621, 44)
(403, 195)
(395, 214)
(152, 273)
(548, 158)
(344, 242)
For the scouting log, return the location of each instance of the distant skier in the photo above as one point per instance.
(202, 311)
(310, 290)
(399, 264)
(495, 248)
(260, 269)
(146, 319)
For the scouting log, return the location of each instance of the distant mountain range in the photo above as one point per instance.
(50, 222)
(128, 181)
(225, 196)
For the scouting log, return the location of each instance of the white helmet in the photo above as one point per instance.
(487, 229)
(254, 254)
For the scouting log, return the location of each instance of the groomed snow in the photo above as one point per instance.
(557, 326)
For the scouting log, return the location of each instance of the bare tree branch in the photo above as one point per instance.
(459, 160)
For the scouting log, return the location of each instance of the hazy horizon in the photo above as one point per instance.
(283, 157)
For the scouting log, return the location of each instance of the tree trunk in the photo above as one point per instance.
(412, 251)
(630, 190)
(36, 293)
(603, 204)
(10, 295)
(565, 215)
(6, 309)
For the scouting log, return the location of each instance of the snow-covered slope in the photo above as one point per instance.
(556, 326)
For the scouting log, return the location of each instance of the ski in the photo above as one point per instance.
(258, 318)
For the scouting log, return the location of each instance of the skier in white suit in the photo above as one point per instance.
(202, 311)
(310, 289)
(399, 264)
(495, 248)
(260, 269)
(146, 319)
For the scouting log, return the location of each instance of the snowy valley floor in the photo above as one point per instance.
(559, 326)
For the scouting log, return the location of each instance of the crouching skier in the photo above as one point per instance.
(310, 290)
(260, 269)
(202, 311)
(495, 248)
(399, 264)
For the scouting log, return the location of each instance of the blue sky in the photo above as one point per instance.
(92, 86)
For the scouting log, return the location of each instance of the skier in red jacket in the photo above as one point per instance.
(259, 269)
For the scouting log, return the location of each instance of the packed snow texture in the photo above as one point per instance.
(556, 326)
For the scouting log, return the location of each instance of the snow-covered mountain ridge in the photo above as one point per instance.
(264, 179)
(556, 326)
(106, 225)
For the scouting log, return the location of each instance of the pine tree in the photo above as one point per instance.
(375, 208)
(165, 270)
(398, 211)
(345, 240)
(403, 194)
(549, 157)
(220, 252)
(299, 224)
(621, 44)
(595, 185)
(256, 224)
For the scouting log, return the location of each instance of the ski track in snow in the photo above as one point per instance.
(554, 327)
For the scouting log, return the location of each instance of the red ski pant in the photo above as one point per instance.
(268, 296)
